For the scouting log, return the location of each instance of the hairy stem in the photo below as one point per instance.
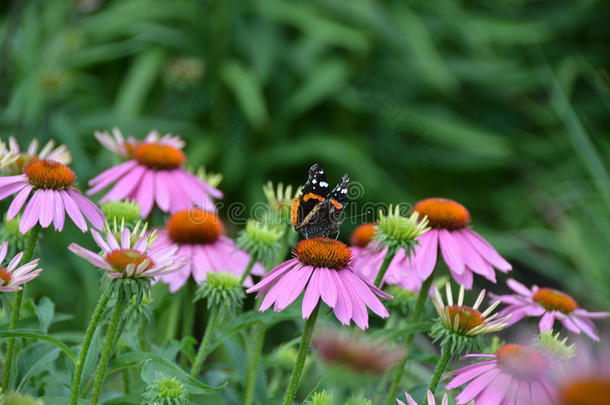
(441, 365)
(297, 370)
(384, 266)
(248, 269)
(84, 350)
(400, 368)
(206, 339)
(10, 348)
(254, 356)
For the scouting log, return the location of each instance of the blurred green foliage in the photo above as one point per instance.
(499, 104)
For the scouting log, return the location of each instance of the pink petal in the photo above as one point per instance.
(586, 326)
(162, 185)
(473, 260)
(312, 294)
(109, 176)
(292, 285)
(477, 385)
(343, 307)
(90, 210)
(11, 189)
(487, 251)
(547, 321)
(496, 390)
(424, 259)
(73, 211)
(31, 213)
(518, 287)
(47, 210)
(60, 213)
(466, 374)
(451, 252)
(364, 293)
(145, 196)
(126, 185)
(18, 202)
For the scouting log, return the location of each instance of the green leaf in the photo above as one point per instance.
(39, 335)
(247, 90)
(45, 310)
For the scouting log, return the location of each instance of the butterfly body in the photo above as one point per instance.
(316, 211)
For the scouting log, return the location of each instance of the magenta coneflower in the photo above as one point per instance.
(549, 304)
(367, 260)
(131, 257)
(60, 154)
(53, 197)
(516, 374)
(430, 398)
(322, 268)
(153, 174)
(13, 276)
(464, 250)
(200, 238)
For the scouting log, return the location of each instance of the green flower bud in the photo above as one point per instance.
(121, 211)
(396, 231)
(552, 346)
(165, 391)
(323, 398)
(20, 399)
(261, 241)
(221, 289)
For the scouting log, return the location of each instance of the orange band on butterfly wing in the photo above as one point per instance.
(336, 204)
(309, 196)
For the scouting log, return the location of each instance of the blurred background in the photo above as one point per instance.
(502, 105)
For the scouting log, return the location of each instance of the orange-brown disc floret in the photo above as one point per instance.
(194, 226)
(49, 174)
(323, 252)
(119, 259)
(363, 235)
(589, 391)
(520, 361)
(554, 300)
(468, 318)
(158, 156)
(443, 213)
(5, 276)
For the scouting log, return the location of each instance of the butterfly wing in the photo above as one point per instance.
(313, 193)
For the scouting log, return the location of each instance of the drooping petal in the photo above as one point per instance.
(451, 252)
(18, 202)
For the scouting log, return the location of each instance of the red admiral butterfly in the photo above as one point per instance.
(316, 210)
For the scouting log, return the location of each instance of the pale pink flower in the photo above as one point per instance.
(14, 276)
(515, 375)
(153, 175)
(322, 268)
(200, 238)
(131, 257)
(464, 250)
(53, 196)
(60, 154)
(550, 305)
(430, 397)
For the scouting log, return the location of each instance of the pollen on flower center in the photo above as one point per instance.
(49, 174)
(363, 235)
(444, 213)
(554, 300)
(591, 391)
(5, 276)
(468, 318)
(121, 258)
(158, 156)
(520, 361)
(194, 226)
(323, 252)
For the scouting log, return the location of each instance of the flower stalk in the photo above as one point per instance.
(248, 269)
(400, 368)
(84, 351)
(108, 348)
(201, 353)
(16, 311)
(384, 266)
(441, 365)
(297, 371)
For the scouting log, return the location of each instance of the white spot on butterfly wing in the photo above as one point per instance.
(344, 191)
(314, 181)
(323, 184)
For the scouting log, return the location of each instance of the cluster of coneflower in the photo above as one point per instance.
(393, 263)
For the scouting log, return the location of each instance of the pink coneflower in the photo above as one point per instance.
(360, 355)
(551, 305)
(464, 250)
(430, 398)
(199, 235)
(13, 276)
(131, 257)
(53, 197)
(367, 260)
(585, 379)
(322, 268)
(516, 374)
(60, 154)
(154, 174)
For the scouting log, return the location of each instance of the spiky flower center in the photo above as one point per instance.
(591, 391)
(443, 213)
(159, 157)
(5, 276)
(467, 318)
(520, 361)
(553, 300)
(363, 235)
(119, 259)
(195, 227)
(170, 388)
(323, 252)
(49, 174)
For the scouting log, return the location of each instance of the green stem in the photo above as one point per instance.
(108, 348)
(400, 368)
(206, 339)
(441, 365)
(187, 316)
(126, 382)
(384, 266)
(255, 352)
(248, 269)
(84, 350)
(295, 379)
(10, 348)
